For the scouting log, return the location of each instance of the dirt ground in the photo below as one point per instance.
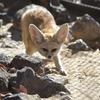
(84, 74)
(83, 69)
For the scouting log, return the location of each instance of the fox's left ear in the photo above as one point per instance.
(36, 34)
(61, 35)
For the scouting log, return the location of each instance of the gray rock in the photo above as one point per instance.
(1, 22)
(5, 60)
(4, 80)
(22, 96)
(86, 28)
(78, 45)
(5, 34)
(92, 2)
(14, 6)
(44, 86)
(59, 12)
(9, 44)
(22, 60)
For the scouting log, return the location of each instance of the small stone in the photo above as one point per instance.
(4, 59)
(5, 34)
(9, 44)
(4, 77)
(1, 22)
(22, 96)
(22, 60)
(78, 45)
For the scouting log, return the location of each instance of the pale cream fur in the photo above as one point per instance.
(40, 33)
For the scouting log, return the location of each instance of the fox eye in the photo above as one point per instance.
(44, 49)
(53, 50)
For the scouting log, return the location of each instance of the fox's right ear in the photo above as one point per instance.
(61, 35)
(36, 34)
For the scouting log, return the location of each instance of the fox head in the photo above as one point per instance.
(48, 47)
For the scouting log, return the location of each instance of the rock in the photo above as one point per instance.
(22, 60)
(34, 84)
(86, 28)
(59, 12)
(4, 59)
(1, 22)
(9, 44)
(63, 96)
(59, 78)
(5, 34)
(92, 2)
(10, 8)
(4, 80)
(22, 96)
(1, 6)
(78, 45)
(14, 6)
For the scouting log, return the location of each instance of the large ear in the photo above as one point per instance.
(61, 35)
(36, 34)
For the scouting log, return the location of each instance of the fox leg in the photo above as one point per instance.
(29, 50)
(58, 64)
(30, 47)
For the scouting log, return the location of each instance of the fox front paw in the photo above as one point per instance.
(62, 72)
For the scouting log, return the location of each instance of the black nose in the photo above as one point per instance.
(49, 56)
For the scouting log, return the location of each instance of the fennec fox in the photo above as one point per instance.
(40, 33)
